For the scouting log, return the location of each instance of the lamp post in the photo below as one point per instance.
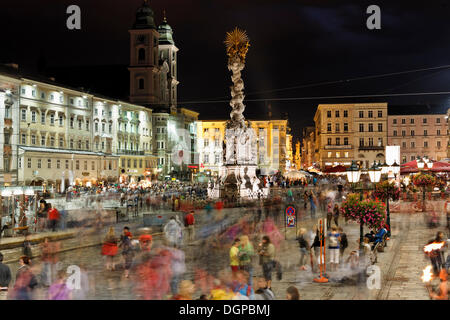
(353, 175)
(424, 164)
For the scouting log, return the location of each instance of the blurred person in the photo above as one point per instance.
(145, 241)
(312, 202)
(234, 255)
(53, 217)
(5, 279)
(42, 215)
(333, 248)
(329, 213)
(220, 291)
(178, 268)
(59, 289)
(189, 221)
(86, 285)
(266, 251)
(442, 292)
(49, 259)
(26, 282)
(343, 243)
(27, 246)
(186, 291)
(436, 256)
(246, 253)
(316, 247)
(292, 293)
(127, 250)
(304, 247)
(110, 248)
(172, 231)
(243, 287)
(336, 214)
(263, 292)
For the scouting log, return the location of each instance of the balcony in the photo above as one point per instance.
(131, 152)
(342, 146)
(371, 148)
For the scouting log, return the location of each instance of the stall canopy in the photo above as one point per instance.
(338, 168)
(295, 175)
(411, 167)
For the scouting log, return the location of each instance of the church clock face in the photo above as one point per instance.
(141, 38)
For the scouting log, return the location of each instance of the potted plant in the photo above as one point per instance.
(424, 181)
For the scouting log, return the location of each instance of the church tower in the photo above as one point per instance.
(144, 58)
(168, 57)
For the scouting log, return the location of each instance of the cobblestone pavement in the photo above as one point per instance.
(401, 265)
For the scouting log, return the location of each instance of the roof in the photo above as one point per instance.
(409, 110)
(67, 151)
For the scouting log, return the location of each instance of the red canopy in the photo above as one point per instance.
(338, 168)
(411, 167)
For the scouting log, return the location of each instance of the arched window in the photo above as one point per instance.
(141, 84)
(141, 54)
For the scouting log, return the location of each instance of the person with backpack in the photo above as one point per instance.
(266, 251)
(189, 222)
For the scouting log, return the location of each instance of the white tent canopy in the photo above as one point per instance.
(295, 175)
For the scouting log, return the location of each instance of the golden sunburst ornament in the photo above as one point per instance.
(237, 43)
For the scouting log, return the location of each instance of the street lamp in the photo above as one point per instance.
(420, 163)
(395, 169)
(374, 173)
(353, 173)
(384, 168)
(430, 164)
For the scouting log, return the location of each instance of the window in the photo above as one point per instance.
(110, 164)
(71, 101)
(370, 114)
(413, 144)
(380, 127)
(412, 121)
(345, 141)
(96, 127)
(329, 141)
(103, 127)
(404, 144)
(52, 119)
(58, 164)
(77, 165)
(403, 121)
(33, 116)
(79, 144)
(141, 54)
(438, 144)
(413, 158)
(438, 120)
(217, 130)
(206, 158)
(103, 146)
(329, 154)
(110, 128)
(135, 163)
(425, 132)
(43, 117)
(338, 154)
(412, 133)
(33, 139)
(42, 95)
(39, 164)
(345, 127)
(92, 165)
(329, 127)
(23, 139)
(336, 113)
(424, 120)
(61, 99)
(370, 127)
(52, 141)
(361, 142)
(425, 144)
(403, 159)
(361, 114)
(85, 165)
(141, 84)
(361, 127)
(380, 114)
(338, 141)
(79, 124)
(403, 133)
(216, 142)
(345, 114)
(29, 163)
(380, 142)
(24, 115)
(216, 158)
(370, 142)
(61, 142)
(71, 143)
(42, 140)
(60, 120)
(23, 90)
(71, 123)
(328, 114)
(67, 164)
(49, 163)
(394, 121)
(87, 125)
(206, 142)
(438, 132)
(337, 127)
(87, 144)
(52, 97)
(346, 154)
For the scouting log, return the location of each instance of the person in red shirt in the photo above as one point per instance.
(190, 221)
(145, 240)
(53, 217)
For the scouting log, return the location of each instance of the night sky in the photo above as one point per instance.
(293, 44)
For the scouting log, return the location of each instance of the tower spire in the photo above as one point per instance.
(164, 15)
